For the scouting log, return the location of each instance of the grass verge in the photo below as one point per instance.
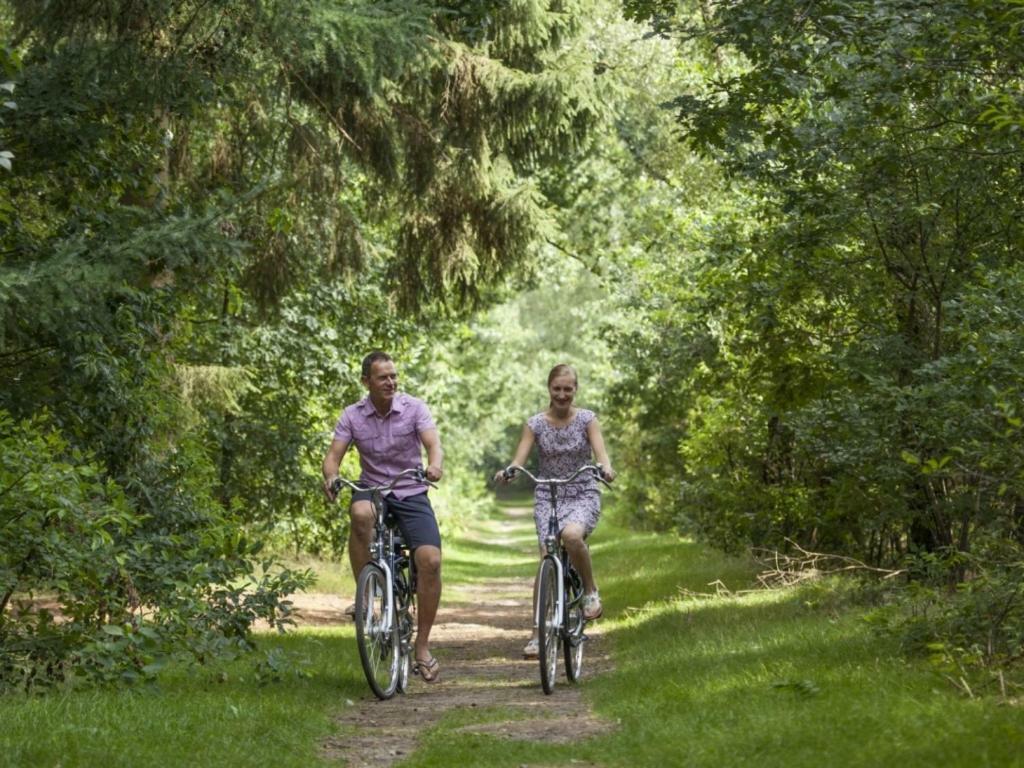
(754, 679)
(219, 715)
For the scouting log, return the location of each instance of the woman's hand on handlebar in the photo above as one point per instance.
(506, 475)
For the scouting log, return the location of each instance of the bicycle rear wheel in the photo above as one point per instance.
(405, 633)
(549, 624)
(573, 641)
(376, 633)
(404, 663)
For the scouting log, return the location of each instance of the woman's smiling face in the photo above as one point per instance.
(562, 390)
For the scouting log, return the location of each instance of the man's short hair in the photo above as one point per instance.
(374, 357)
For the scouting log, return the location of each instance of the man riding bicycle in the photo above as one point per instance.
(389, 430)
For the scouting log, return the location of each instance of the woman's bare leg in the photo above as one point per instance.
(573, 538)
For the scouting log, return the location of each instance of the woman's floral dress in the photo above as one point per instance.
(563, 450)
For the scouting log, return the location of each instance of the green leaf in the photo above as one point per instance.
(909, 458)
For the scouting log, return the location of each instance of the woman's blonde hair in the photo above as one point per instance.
(563, 369)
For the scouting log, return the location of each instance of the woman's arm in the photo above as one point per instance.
(522, 453)
(600, 453)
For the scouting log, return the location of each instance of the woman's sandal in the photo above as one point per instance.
(532, 649)
(429, 670)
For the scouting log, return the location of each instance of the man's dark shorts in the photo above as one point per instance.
(415, 518)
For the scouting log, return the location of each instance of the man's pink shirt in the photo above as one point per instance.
(386, 444)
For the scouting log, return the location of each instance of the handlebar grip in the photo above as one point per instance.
(421, 477)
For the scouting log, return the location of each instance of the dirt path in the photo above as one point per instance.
(478, 640)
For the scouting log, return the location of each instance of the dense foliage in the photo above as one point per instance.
(212, 212)
(835, 348)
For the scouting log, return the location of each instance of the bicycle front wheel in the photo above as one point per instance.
(549, 625)
(573, 641)
(377, 632)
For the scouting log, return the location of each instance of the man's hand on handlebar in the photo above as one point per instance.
(331, 487)
(433, 473)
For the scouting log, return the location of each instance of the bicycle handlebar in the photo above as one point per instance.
(513, 469)
(414, 473)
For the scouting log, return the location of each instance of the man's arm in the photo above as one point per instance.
(332, 461)
(435, 456)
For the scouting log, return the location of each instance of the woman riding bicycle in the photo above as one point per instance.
(566, 437)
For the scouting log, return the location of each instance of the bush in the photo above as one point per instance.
(89, 589)
(973, 633)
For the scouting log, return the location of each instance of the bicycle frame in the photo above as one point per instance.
(390, 560)
(382, 548)
(555, 550)
(382, 551)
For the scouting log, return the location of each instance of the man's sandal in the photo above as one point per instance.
(429, 670)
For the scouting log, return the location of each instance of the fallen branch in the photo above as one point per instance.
(787, 570)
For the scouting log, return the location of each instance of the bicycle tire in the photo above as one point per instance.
(404, 663)
(405, 633)
(377, 638)
(573, 641)
(549, 624)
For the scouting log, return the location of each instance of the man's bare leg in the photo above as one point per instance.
(360, 534)
(428, 596)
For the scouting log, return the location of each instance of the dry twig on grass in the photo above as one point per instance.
(787, 570)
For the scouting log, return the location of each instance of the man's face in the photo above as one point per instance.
(382, 382)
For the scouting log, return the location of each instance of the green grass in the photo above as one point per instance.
(763, 679)
(216, 716)
(332, 576)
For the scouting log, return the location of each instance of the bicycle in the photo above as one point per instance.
(558, 613)
(385, 595)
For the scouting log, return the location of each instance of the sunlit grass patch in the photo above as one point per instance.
(492, 547)
(765, 679)
(332, 576)
(635, 568)
(465, 566)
